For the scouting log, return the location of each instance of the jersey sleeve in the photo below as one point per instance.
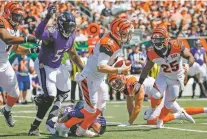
(103, 59)
(42, 33)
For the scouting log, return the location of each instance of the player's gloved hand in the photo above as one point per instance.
(79, 77)
(50, 11)
(124, 70)
(136, 87)
(124, 124)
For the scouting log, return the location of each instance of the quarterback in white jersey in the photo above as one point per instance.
(92, 78)
(167, 53)
(9, 40)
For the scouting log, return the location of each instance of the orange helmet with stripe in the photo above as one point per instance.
(117, 81)
(121, 29)
(160, 37)
(14, 13)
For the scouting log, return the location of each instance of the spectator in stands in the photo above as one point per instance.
(137, 59)
(30, 22)
(25, 67)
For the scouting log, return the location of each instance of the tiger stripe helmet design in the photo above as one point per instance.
(121, 29)
(14, 13)
(160, 37)
(117, 81)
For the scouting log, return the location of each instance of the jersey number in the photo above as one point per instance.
(173, 66)
(58, 55)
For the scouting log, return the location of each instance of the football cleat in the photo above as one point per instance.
(148, 113)
(186, 116)
(159, 124)
(50, 126)
(34, 131)
(8, 117)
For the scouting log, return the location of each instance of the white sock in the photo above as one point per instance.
(205, 110)
(81, 130)
(7, 108)
(177, 115)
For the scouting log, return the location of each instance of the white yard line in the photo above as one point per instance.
(153, 126)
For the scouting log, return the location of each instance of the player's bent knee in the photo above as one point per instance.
(49, 100)
(157, 95)
(15, 92)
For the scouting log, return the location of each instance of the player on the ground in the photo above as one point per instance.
(9, 40)
(92, 78)
(54, 77)
(69, 112)
(125, 84)
(167, 53)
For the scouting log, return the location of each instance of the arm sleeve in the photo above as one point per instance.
(41, 33)
(103, 59)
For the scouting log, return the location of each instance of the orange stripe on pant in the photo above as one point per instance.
(168, 118)
(84, 87)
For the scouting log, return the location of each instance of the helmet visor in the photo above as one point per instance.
(68, 28)
(17, 17)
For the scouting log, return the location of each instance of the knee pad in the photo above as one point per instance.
(157, 95)
(15, 92)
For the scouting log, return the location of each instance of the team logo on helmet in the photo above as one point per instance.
(122, 29)
(66, 24)
(14, 13)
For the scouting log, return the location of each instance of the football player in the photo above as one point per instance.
(167, 53)
(125, 84)
(9, 40)
(68, 112)
(92, 78)
(54, 77)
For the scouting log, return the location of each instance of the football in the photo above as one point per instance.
(121, 62)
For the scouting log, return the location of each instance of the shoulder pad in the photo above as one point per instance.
(175, 43)
(106, 41)
(51, 29)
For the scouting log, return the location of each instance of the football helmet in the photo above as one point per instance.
(14, 13)
(160, 38)
(117, 81)
(198, 44)
(122, 29)
(66, 24)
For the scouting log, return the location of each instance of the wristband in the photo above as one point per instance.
(119, 71)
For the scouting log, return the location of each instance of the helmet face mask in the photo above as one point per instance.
(125, 36)
(198, 44)
(16, 18)
(118, 83)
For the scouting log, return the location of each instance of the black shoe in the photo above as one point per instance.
(34, 131)
(50, 126)
(8, 117)
(24, 102)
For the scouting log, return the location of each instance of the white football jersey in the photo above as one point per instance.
(171, 66)
(4, 48)
(97, 57)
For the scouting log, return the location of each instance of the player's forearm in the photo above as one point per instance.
(145, 71)
(130, 104)
(107, 69)
(75, 58)
(134, 114)
(12, 39)
(39, 33)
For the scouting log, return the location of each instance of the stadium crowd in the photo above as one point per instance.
(181, 18)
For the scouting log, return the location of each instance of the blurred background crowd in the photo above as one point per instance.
(184, 19)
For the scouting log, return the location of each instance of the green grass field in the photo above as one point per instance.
(115, 113)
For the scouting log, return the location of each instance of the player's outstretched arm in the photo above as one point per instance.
(12, 40)
(139, 97)
(187, 55)
(75, 57)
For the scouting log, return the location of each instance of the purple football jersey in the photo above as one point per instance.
(198, 55)
(51, 54)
